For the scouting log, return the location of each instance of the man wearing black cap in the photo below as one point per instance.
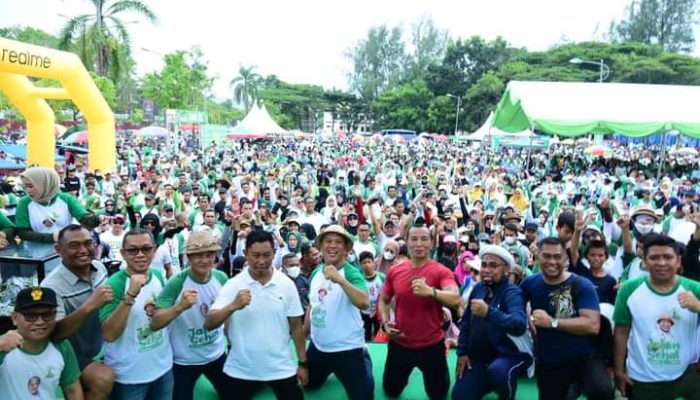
(532, 233)
(31, 366)
(71, 183)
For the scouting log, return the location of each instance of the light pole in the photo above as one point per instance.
(604, 69)
(459, 104)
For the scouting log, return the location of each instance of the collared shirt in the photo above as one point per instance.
(72, 292)
(259, 333)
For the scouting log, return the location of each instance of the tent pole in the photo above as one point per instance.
(663, 153)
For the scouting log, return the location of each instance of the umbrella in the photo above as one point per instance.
(598, 151)
(358, 138)
(440, 137)
(568, 142)
(59, 130)
(684, 151)
(376, 137)
(152, 131)
(77, 138)
(583, 141)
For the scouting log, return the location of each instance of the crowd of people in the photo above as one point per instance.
(276, 262)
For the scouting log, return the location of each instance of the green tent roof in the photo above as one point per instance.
(576, 108)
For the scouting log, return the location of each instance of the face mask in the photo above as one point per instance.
(470, 229)
(293, 272)
(351, 257)
(643, 229)
(389, 255)
(510, 240)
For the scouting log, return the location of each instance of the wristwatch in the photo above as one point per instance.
(304, 364)
(554, 324)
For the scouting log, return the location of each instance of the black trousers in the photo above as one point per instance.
(554, 380)
(371, 327)
(185, 377)
(431, 361)
(284, 389)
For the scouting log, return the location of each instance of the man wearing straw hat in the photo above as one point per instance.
(183, 305)
(337, 293)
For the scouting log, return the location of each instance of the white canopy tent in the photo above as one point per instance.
(257, 122)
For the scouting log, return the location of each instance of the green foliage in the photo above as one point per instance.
(30, 35)
(298, 102)
(405, 107)
(665, 22)
(377, 61)
(102, 39)
(246, 86)
(182, 83)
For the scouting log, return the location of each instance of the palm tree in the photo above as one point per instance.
(102, 39)
(246, 86)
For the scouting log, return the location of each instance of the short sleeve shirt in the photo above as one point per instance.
(561, 301)
(419, 318)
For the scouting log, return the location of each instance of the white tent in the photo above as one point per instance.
(487, 129)
(257, 121)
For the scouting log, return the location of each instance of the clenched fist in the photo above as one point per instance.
(101, 296)
(242, 299)
(188, 299)
(10, 341)
(136, 282)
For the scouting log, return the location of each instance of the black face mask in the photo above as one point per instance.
(474, 250)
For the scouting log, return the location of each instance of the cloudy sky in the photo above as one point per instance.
(304, 41)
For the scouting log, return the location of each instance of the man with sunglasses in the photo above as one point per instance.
(142, 359)
(78, 284)
(114, 236)
(31, 365)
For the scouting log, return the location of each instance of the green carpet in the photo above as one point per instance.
(333, 390)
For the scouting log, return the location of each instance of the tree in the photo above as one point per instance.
(482, 98)
(30, 35)
(428, 44)
(246, 86)
(464, 63)
(182, 83)
(405, 107)
(665, 22)
(102, 38)
(300, 103)
(377, 61)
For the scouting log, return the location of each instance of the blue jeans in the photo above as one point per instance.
(353, 368)
(160, 389)
(500, 375)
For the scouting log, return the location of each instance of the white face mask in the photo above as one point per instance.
(293, 272)
(643, 229)
(389, 255)
(351, 257)
(510, 240)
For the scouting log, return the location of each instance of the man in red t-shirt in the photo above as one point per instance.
(421, 287)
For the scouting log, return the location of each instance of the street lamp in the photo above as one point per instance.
(604, 69)
(459, 104)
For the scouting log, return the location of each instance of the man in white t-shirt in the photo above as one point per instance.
(656, 322)
(263, 309)
(114, 236)
(183, 305)
(337, 293)
(141, 358)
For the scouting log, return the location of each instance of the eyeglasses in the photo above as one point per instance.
(117, 222)
(152, 223)
(109, 205)
(134, 251)
(47, 316)
(492, 265)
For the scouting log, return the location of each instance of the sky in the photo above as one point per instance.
(304, 41)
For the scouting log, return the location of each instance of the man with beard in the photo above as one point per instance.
(494, 343)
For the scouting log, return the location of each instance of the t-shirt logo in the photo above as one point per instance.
(562, 302)
(204, 309)
(663, 347)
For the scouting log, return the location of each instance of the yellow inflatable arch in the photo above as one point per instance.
(20, 60)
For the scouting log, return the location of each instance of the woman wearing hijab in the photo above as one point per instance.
(389, 257)
(519, 201)
(44, 210)
(294, 242)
